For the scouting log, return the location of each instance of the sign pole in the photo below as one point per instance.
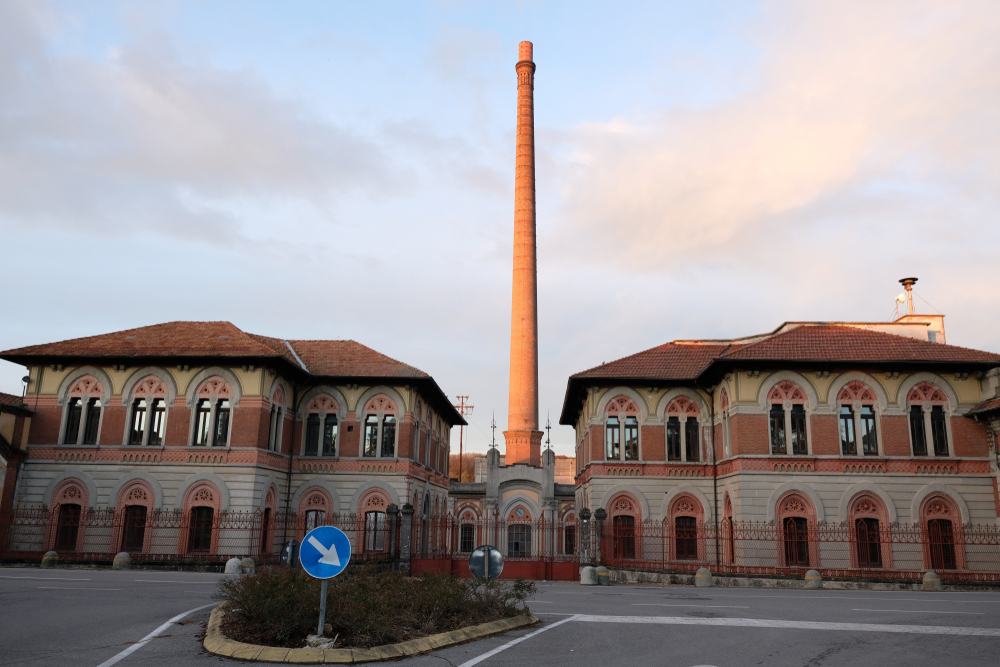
(486, 562)
(322, 607)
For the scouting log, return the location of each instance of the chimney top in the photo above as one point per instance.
(524, 51)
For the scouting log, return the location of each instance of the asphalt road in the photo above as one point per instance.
(88, 617)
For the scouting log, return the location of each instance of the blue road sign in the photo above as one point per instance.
(325, 552)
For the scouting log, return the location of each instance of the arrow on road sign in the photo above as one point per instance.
(330, 556)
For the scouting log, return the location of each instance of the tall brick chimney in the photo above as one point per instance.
(524, 440)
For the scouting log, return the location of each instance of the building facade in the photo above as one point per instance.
(812, 424)
(202, 418)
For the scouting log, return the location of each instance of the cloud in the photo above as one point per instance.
(861, 107)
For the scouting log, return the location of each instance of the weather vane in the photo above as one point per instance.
(493, 425)
(548, 431)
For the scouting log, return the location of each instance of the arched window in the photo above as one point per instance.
(277, 419)
(212, 424)
(69, 526)
(941, 521)
(321, 426)
(135, 501)
(70, 501)
(624, 514)
(857, 418)
(202, 501)
(84, 409)
(683, 430)
(267, 518)
(685, 516)
(147, 419)
(928, 411)
(380, 427)
(727, 445)
(519, 533)
(622, 425)
(787, 419)
(794, 515)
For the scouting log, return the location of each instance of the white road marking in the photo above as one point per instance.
(145, 640)
(168, 581)
(791, 625)
(916, 598)
(77, 588)
(515, 642)
(917, 611)
(541, 602)
(709, 606)
(45, 578)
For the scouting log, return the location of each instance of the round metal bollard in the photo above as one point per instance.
(932, 581)
(588, 575)
(703, 578)
(122, 562)
(814, 579)
(50, 559)
(248, 565)
(603, 576)
(234, 566)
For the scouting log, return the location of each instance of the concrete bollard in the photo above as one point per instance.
(703, 578)
(814, 579)
(932, 581)
(248, 565)
(588, 576)
(234, 566)
(122, 562)
(50, 559)
(603, 576)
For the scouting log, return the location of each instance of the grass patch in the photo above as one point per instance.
(279, 606)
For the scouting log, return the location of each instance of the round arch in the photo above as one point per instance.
(371, 392)
(687, 489)
(206, 373)
(269, 481)
(812, 398)
(83, 371)
(125, 479)
(78, 475)
(277, 382)
(913, 380)
(374, 484)
(614, 392)
(160, 373)
(632, 491)
(519, 499)
(866, 487)
(804, 489)
(867, 379)
(941, 489)
(691, 394)
(318, 390)
(220, 484)
(323, 484)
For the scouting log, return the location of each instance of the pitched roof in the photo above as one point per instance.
(11, 400)
(986, 406)
(350, 358)
(852, 344)
(670, 361)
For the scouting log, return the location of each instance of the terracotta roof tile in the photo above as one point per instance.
(348, 358)
(11, 400)
(670, 361)
(986, 406)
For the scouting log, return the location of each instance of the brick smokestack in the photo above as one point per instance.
(524, 440)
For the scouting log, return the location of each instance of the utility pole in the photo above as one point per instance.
(464, 408)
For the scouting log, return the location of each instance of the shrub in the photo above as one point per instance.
(279, 606)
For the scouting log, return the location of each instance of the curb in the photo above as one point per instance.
(217, 644)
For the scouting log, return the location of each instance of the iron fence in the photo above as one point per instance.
(528, 540)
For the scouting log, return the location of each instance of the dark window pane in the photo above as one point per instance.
(869, 543)
(330, 435)
(312, 435)
(374, 531)
(200, 531)
(674, 439)
(518, 541)
(93, 422)
(796, 542)
(315, 518)
(265, 531)
(692, 439)
(917, 432)
(270, 427)
(942, 543)
(157, 422)
(203, 414)
(134, 531)
(612, 438)
(624, 535)
(73, 414)
(799, 445)
(68, 528)
(939, 431)
(569, 540)
(389, 436)
(138, 425)
(869, 436)
(631, 438)
(371, 435)
(222, 424)
(686, 534)
(848, 444)
(777, 424)
(467, 538)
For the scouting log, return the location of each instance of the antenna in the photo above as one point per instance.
(493, 425)
(548, 431)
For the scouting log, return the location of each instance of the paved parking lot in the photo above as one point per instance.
(88, 617)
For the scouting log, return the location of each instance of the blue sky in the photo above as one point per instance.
(345, 170)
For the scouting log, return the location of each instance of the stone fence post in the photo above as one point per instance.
(405, 532)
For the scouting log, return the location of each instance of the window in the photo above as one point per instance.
(157, 422)
(427, 446)
(869, 438)
(221, 424)
(674, 439)
(312, 435)
(942, 542)
(686, 534)
(93, 422)
(265, 528)
(569, 540)
(624, 534)
(73, 415)
(134, 530)
(612, 441)
(798, 422)
(272, 421)
(138, 425)
(777, 419)
(631, 439)
(467, 538)
(374, 531)
(330, 435)
(315, 518)
(69, 526)
(518, 541)
(203, 415)
(277, 423)
(848, 445)
(939, 431)
(200, 531)
(796, 542)
(917, 433)
(389, 436)
(692, 439)
(869, 543)
(371, 435)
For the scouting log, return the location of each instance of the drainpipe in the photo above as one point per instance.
(291, 453)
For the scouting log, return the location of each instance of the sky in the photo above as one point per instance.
(334, 170)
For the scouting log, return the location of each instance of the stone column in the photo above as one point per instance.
(522, 435)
